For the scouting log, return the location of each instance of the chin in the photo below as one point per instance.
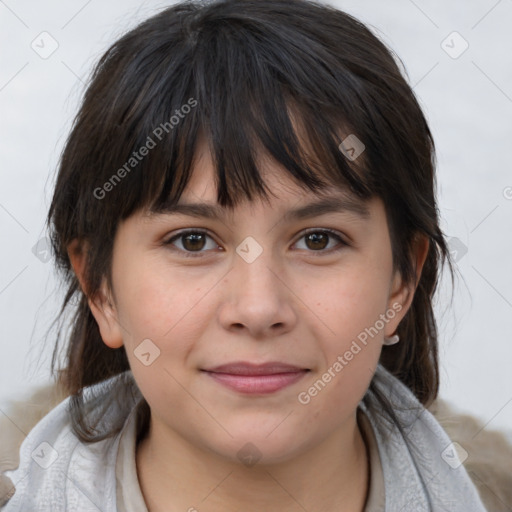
(260, 448)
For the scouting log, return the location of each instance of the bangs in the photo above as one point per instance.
(248, 91)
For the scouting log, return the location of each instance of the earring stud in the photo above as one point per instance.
(392, 339)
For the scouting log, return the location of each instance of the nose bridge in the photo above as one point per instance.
(255, 265)
(258, 300)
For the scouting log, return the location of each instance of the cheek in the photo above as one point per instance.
(349, 307)
(170, 307)
(156, 299)
(350, 351)
(348, 302)
(159, 304)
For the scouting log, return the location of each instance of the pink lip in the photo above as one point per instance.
(252, 378)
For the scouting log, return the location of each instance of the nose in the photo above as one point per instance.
(257, 299)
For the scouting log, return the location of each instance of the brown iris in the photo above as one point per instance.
(317, 240)
(193, 241)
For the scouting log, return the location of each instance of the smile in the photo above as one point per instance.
(249, 378)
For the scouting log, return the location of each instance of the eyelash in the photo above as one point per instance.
(198, 254)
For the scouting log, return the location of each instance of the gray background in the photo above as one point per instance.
(467, 98)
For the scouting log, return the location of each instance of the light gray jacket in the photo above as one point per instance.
(58, 473)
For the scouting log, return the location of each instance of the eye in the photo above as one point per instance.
(316, 240)
(192, 241)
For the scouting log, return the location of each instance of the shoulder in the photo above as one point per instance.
(29, 433)
(487, 453)
(20, 416)
(417, 455)
(53, 466)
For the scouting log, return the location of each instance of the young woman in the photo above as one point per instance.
(245, 216)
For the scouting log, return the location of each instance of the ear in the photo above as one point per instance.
(402, 293)
(102, 304)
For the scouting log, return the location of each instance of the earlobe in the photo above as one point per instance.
(100, 303)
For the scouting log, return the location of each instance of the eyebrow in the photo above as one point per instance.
(322, 206)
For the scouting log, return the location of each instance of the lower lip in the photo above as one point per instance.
(257, 384)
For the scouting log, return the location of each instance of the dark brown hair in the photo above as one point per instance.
(253, 73)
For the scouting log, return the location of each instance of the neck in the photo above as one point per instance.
(331, 476)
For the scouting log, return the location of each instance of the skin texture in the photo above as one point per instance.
(297, 302)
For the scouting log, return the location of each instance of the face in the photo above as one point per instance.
(313, 295)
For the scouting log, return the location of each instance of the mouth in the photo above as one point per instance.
(249, 378)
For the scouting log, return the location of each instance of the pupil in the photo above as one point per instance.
(194, 238)
(315, 238)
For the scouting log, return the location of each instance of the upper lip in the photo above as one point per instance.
(246, 368)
